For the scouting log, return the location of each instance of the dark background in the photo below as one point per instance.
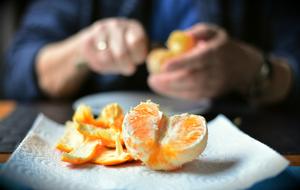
(10, 17)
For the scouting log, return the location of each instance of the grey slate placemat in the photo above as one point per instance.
(15, 127)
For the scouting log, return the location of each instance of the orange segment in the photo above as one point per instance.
(179, 42)
(140, 128)
(84, 153)
(162, 143)
(157, 58)
(107, 136)
(184, 130)
(185, 139)
(71, 139)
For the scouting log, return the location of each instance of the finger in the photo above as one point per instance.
(193, 85)
(136, 41)
(90, 53)
(170, 83)
(193, 59)
(118, 48)
(166, 90)
(104, 56)
(213, 35)
(198, 57)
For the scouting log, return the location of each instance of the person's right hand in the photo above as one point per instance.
(114, 46)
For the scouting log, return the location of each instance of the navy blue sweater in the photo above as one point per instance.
(274, 27)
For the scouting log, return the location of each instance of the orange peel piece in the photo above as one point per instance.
(84, 115)
(88, 150)
(88, 139)
(71, 138)
(113, 115)
(107, 136)
(110, 157)
(113, 157)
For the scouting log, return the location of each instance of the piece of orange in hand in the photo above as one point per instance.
(87, 151)
(71, 138)
(180, 42)
(157, 58)
(163, 143)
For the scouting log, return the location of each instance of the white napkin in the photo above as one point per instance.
(232, 160)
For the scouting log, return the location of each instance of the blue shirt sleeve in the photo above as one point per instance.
(44, 22)
(286, 37)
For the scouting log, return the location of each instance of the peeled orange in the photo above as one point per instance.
(163, 143)
(156, 58)
(178, 42)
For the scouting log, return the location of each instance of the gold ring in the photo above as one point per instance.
(101, 45)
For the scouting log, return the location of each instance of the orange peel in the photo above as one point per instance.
(86, 138)
(107, 136)
(113, 115)
(113, 157)
(109, 157)
(84, 153)
(71, 138)
(84, 115)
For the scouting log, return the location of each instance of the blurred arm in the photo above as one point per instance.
(58, 75)
(45, 23)
(286, 37)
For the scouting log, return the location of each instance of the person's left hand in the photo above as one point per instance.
(215, 66)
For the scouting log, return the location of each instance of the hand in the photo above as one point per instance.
(123, 45)
(215, 66)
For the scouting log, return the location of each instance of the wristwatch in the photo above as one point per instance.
(262, 80)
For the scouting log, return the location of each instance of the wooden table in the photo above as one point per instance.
(276, 128)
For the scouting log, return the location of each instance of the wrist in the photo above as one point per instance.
(56, 68)
(272, 82)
